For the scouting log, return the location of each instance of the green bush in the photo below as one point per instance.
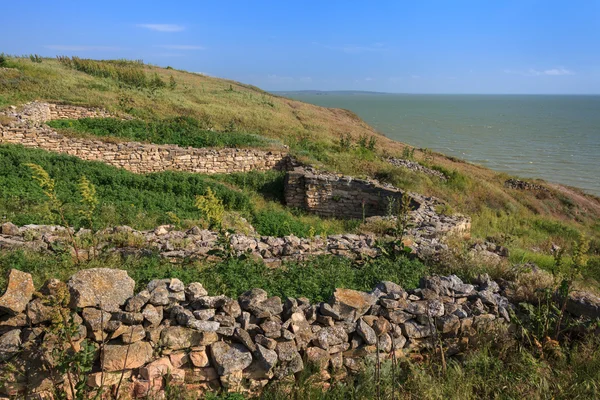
(182, 131)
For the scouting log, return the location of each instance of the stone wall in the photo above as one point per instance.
(332, 195)
(179, 333)
(196, 243)
(132, 156)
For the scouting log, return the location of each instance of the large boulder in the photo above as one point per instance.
(107, 289)
(18, 292)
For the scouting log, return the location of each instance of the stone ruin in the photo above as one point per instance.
(176, 333)
(27, 129)
(196, 243)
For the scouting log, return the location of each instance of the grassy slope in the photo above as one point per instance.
(523, 221)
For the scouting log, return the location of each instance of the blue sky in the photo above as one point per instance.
(420, 46)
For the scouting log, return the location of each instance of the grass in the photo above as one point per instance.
(182, 131)
(315, 279)
(144, 201)
(501, 372)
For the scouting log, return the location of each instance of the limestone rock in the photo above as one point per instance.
(230, 358)
(366, 332)
(10, 344)
(352, 304)
(19, 292)
(104, 288)
(179, 337)
(153, 314)
(290, 360)
(199, 358)
(118, 357)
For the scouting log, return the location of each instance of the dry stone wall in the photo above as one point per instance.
(332, 195)
(177, 333)
(28, 131)
(198, 243)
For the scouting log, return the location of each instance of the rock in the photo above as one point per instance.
(290, 360)
(264, 364)
(448, 324)
(366, 332)
(105, 288)
(160, 297)
(230, 358)
(381, 326)
(231, 308)
(118, 357)
(38, 312)
(19, 292)
(351, 304)
(301, 329)
(244, 338)
(391, 288)
(194, 291)
(582, 304)
(318, 357)
(132, 334)
(251, 297)
(128, 318)
(330, 336)
(10, 344)
(98, 379)
(204, 315)
(9, 229)
(199, 358)
(179, 337)
(415, 331)
(135, 303)
(196, 375)
(203, 326)
(95, 319)
(160, 368)
(153, 314)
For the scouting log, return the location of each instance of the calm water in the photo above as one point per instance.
(556, 138)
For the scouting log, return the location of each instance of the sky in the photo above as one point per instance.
(418, 46)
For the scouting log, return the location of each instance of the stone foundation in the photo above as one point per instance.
(332, 195)
(132, 156)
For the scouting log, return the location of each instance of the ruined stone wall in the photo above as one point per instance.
(331, 195)
(179, 333)
(132, 156)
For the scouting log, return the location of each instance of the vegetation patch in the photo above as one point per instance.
(182, 131)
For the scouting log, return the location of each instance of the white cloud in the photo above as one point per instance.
(558, 71)
(181, 47)
(162, 27)
(65, 47)
(368, 79)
